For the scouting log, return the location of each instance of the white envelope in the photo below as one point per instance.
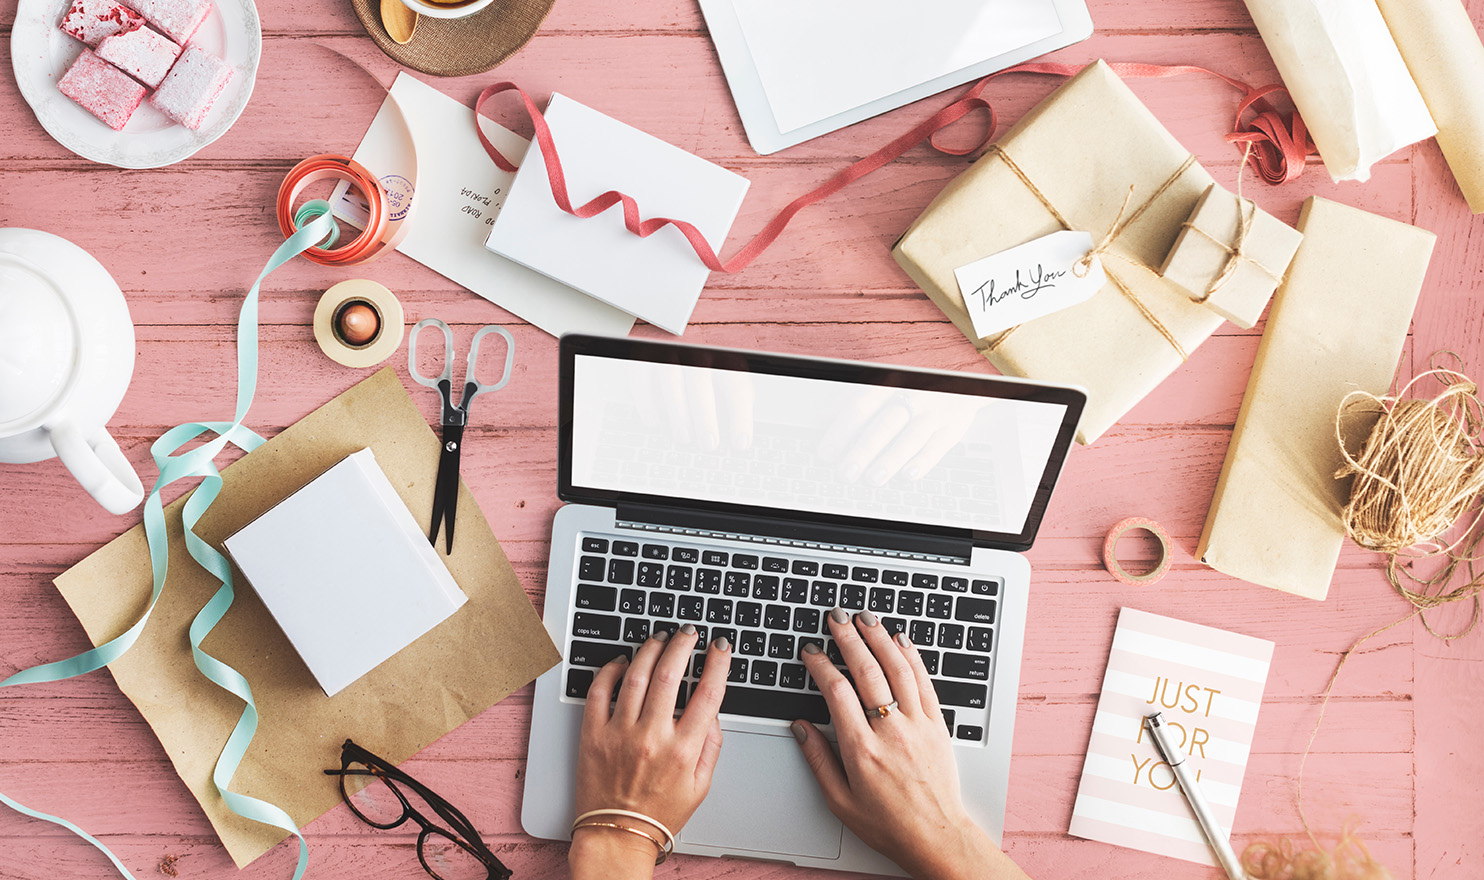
(458, 195)
(658, 278)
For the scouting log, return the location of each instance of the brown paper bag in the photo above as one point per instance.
(1337, 325)
(1069, 164)
(493, 645)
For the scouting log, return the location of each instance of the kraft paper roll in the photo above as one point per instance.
(1110, 551)
(1442, 49)
(1347, 79)
(388, 313)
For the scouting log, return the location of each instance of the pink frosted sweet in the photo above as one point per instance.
(142, 53)
(176, 19)
(92, 20)
(192, 87)
(102, 89)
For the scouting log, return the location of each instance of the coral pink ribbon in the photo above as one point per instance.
(1278, 147)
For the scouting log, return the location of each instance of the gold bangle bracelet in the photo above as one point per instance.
(664, 853)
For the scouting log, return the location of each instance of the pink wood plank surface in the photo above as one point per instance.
(1399, 747)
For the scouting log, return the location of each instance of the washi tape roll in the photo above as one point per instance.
(1110, 549)
(358, 323)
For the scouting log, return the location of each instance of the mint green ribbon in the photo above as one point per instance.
(175, 465)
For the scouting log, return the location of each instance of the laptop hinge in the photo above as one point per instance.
(781, 532)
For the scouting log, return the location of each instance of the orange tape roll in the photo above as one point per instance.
(371, 242)
(1110, 548)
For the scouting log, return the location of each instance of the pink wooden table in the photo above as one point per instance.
(1399, 747)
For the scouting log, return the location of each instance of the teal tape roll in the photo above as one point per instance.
(175, 465)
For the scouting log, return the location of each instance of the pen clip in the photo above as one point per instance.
(1156, 724)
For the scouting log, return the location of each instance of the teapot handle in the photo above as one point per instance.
(99, 466)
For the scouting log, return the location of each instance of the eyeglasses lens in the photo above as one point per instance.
(446, 859)
(376, 803)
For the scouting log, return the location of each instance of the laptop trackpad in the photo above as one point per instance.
(764, 799)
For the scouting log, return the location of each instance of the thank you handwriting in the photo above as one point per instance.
(1029, 281)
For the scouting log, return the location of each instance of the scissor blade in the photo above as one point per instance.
(446, 491)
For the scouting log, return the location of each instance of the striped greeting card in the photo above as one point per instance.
(1208, 683)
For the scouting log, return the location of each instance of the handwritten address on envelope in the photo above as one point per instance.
(1028, 281)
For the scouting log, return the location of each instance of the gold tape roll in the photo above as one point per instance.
(389, 323)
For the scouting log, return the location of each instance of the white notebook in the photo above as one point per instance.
(346, 571)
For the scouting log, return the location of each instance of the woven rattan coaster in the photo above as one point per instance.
(459, 46)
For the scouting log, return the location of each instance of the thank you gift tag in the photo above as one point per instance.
(1028, 281)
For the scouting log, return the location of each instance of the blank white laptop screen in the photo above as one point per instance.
(809, 444)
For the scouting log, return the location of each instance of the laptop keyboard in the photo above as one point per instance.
(769, 604)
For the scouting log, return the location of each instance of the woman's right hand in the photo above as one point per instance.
(895, 782)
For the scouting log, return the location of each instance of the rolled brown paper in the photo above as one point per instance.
(1444, 54)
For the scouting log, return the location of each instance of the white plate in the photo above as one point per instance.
(41, 53)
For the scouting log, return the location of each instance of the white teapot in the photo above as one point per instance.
(66, 356)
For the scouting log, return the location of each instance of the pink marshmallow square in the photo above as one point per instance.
(142, 53)
(92, 20)
(102, 89)
(176, 19)
(192, 87)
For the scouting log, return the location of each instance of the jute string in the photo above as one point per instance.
(1417, 477)
(1235, 250)
(1120, 223)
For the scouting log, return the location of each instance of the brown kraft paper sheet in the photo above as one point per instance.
(493, 645)
(1337, 325)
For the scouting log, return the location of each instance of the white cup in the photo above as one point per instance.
(445, 10)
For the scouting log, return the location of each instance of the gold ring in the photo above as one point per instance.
(882, 711)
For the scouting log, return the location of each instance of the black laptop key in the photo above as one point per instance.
(814, 640)
(822, 593)
(894, 625)
(895, 578)
(651, 574)
(597, 653)
(669, 627)
(738, 583)
(596, 626)
(631, 601)
(713, 557)
(688, 555)
(737, 674)
(578, 681)
(948, 718)
(805, 567)
(956, 584)
(682, 696)
(743, 560)
(929, 661)
(786, 705)
(970, 732)
(986, 588)
(781, 646)
(925, 581)
(951, 635)
(594, 545)
(974, 610)
(775, 564)
(981, 638)
(698, 665)
(620, 571)
(834, 571)
(590, 568)
(795, 590)
(727, 633)
(864, 575)
(708, 580)
(940, 606)
(678, 577)
(806, 620)
(690, 608)
(765, 587)
(749, 614)
(961, 693)
(719, 611)
(595, 598)
(975, 666)
(764, 673)
(853, 597)
(921, 633)
(791, 675)
(753, 643)
(661, 605)
(701, 642)
(909, 602)
(776, 617)
(625, 548)
(832, 651)
(883, 600)
(635, 630)
(655, 551)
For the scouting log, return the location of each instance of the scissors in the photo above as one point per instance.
(446, 491)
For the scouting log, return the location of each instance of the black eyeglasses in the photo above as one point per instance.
(449, 849)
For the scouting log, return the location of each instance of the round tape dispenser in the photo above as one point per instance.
(1110, 548)
(358, 323)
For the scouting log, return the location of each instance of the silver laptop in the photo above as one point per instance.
(749, 494)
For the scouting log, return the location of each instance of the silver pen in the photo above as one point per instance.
(1215, 834)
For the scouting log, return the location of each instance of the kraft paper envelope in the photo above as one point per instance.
(493, 645)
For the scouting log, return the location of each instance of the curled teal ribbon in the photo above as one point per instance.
(175, 465)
